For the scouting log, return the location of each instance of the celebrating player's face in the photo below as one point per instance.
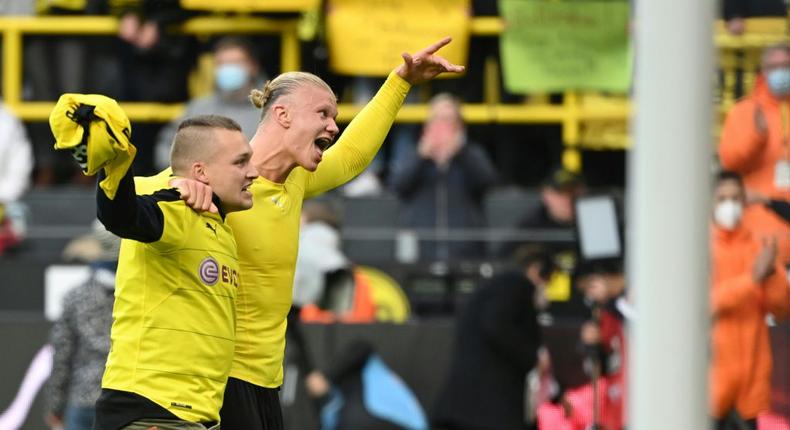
(229, 171)
(313, 110)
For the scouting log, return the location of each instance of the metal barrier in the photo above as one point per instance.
(13, 28)
(587, 119)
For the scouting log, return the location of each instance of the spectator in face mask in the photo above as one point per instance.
(754, 143)
(236, 73)
(747, 282)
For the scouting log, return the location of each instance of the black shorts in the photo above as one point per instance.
(250, 407)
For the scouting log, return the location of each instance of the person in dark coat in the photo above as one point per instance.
(556, 213)
(443, 184)
(497, 338)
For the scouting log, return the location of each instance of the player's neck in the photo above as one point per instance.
(269, 156)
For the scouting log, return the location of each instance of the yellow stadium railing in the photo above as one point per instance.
(587, 119)
(13, 28)
(251, 5)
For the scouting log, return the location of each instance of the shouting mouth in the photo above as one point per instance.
(323, 143)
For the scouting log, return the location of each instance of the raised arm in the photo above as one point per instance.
(361, 140)
(407, 179)
(480, 172)
(743, 137)
(364, 135)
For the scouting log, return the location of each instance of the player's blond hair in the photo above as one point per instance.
(194, 140)
(284, 84)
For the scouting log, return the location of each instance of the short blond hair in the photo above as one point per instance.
(284, 84)
(194, 140)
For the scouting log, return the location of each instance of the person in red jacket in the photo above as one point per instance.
(755, 143)
(747, 282)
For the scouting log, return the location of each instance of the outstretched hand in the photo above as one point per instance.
(425, 65)
(197, 195)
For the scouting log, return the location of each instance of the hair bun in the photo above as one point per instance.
(258, 97)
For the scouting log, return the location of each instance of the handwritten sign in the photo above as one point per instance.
(251, 5)
(559, 45)
(366, 37)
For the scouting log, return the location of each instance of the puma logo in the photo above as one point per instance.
(212, 228)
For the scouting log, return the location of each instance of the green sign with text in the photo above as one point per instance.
(557, 45)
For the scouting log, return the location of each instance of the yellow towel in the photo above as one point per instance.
(97, 132)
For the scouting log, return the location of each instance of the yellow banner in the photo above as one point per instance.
(366, 37)
(251, 5)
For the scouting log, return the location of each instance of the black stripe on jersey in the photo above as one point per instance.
(131, 216)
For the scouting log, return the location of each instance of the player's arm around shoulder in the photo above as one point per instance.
(132, 216)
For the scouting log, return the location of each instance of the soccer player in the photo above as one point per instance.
(291, 151)
(173, 330)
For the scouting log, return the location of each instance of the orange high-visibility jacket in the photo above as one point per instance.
(740, 370)
(754, 156)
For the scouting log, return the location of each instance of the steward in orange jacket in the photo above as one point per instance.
(747, 282)
(755, 143)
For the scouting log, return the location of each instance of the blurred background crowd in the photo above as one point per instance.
(462, 259)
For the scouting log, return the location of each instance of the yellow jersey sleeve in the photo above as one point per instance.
(361, 140)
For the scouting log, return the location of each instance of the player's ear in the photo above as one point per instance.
(282, 115)
(199, 173)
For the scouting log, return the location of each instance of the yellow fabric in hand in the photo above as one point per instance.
(97, 132)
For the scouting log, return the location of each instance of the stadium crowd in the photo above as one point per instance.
(540, 330)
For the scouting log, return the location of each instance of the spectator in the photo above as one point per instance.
(360, 392)
(496, 343)
(747, 281)
(558, 193)
(236, 73)
(754, 143)
(16, 165)
(443, 185)
(320, 253)
(604, 342)
(154, 63)
(734, 12)
(53, 66)
(66, 54)
(603, 357)
(320, 261)
(81, 337)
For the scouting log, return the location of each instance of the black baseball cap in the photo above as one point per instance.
(560, 178)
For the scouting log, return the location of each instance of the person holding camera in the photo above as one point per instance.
(496, 345)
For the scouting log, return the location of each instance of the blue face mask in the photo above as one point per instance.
(779, 81)
(230, 77)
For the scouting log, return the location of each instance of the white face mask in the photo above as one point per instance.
(727, 214)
